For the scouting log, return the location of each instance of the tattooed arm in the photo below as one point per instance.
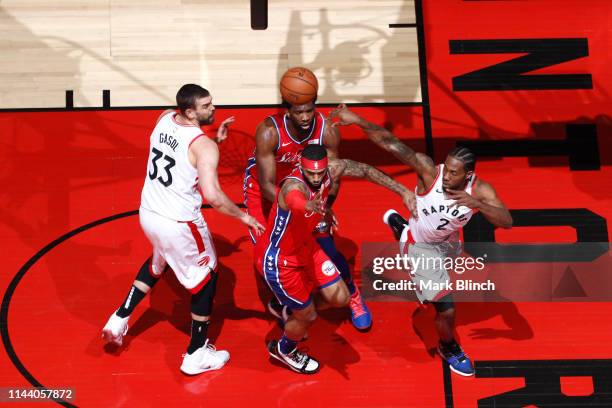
(344, 167)
(421, 163)
(294, 196)
(331, 139)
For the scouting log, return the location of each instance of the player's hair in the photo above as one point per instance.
(466, 156)
(288, 105)
(314, 152)
(188, 94)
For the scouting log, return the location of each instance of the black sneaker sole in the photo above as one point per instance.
(364, 330)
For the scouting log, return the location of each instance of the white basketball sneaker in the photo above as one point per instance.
(205, 358)
(116, 327)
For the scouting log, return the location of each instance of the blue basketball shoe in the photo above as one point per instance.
(456, 358)
(360, 314)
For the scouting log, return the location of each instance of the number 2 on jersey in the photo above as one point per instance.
(443, 224)
(171, 163)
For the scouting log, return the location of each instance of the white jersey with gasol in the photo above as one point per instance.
(171, 184)
(437, 220)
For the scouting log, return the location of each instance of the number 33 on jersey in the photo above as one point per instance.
(171, 185)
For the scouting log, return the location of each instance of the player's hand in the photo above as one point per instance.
(316, 205)
(462, 198)
(409, 200)
(223, 129)
(344, 115)
(330, 219)
(253, 223)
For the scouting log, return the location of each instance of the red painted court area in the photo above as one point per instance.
(64, 171)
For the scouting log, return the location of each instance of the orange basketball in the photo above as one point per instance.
(299, 86)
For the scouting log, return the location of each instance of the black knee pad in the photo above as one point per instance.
(145, 275)
(202, 302)
(445, 303)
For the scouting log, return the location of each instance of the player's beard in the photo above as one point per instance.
(312, 186)
(207, 121)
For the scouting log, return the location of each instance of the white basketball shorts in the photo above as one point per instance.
(186, 247)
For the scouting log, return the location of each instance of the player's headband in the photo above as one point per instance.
(314, 165)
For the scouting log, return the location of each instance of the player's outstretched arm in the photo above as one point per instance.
(421, 163)
(345, 167)
(293, 196)
(266, 141)
(223, 131)
(484, 198)
(331, 139)
(206, 154)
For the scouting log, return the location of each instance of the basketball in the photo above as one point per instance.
(299, 86)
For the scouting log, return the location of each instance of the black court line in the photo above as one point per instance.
(69, 99)
(106, 98)
(259, 14)
(418, 9)
(403, 25)
(6, 299)
(162, 107)
(427, 127)
(448, 385)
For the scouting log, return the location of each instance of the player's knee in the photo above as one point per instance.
(307, 315)
(146, 276)
(311, 316)
(445, 305)
(202, 301)
(343, 298)
(340, 296)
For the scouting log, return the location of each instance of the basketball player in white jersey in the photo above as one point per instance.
(182, 162)
(446, 197)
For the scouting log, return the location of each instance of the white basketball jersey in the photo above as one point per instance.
(171, 184)
(438, 222)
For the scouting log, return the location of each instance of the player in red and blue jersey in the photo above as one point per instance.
(288, 256)
(280, 140)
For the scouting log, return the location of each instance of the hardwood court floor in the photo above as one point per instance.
(66, 170)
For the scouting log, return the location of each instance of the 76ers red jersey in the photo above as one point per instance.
(291, 233)
(289, 149)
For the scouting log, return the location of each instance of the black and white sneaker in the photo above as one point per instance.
(396, 222)
(296, 360)
(399, 226)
